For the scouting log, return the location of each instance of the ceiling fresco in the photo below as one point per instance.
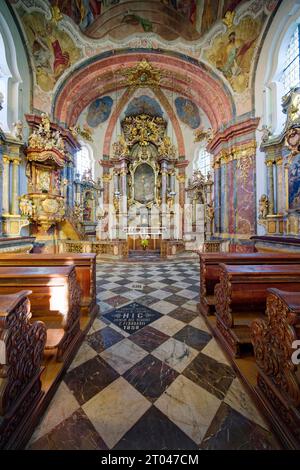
(86, 38)
(170, 19)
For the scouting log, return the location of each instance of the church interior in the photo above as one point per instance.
(149, 228)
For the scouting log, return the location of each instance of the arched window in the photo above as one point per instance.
(84, 160)
(290, 74)
(202, 160)
(5, 75)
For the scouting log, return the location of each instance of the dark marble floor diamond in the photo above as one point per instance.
(154, 431)
(193, 337)
(132, 317)
(215, 377)
(151, 377)
(231, 431)
(103, 339)
(149, 338)
(90, 378)
(183, 314)
(74, 433)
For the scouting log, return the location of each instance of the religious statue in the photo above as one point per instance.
(210, 211)
(116, 202)
(18, 130)
(44, 181)
(26, 207)
(263, 206)
(266, 133)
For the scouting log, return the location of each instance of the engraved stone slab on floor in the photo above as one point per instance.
(132, 317)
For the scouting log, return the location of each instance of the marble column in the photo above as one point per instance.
(5, 200)
(280, 191)
(15, 187)
(164, 186)
(270, 186)
(123, 211)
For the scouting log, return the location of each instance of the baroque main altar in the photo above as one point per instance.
(144, 187)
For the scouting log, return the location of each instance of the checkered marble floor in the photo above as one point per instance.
(149, 375)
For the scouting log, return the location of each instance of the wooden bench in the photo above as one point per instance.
(278, 381)
(21, 351)
(241, 297)
(210, 272)
(85, 266)
(55, 300)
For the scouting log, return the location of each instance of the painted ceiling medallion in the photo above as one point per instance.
(142, 75)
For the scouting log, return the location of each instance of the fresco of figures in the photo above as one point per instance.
(232, 52)
(99, 111)
(143, 105)
(188, 112)
(53, 51)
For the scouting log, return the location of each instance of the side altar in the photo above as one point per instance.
(279, 208)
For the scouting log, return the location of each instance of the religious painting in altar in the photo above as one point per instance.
(232, 52)
(52, 50)
(188, 112)
(294, 184)
(143, 105)
(144, 184)
(99, 111)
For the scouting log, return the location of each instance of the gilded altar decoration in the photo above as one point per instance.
(144, 129)
(165, 148)
(120, 148)
(142, 75)
(244, 164)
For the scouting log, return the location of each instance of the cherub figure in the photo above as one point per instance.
(18, 130)
(263, 206)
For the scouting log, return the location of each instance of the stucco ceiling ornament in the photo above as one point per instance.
(142, 75)
(202, 134)
(228, 19)
(84, 132)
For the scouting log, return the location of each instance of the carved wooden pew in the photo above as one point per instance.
(85, 266)
(210, 272)
(241, 298)
(21, 350)
(55, 300)
(278, 381)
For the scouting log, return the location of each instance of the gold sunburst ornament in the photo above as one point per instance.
(142, 75)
